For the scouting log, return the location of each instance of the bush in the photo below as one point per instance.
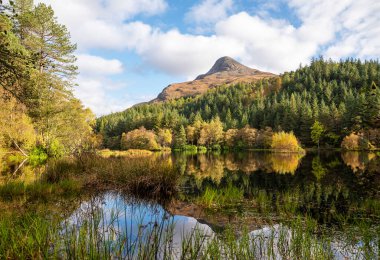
(216, 147)
(190, 148)
(356, 142)
(37, 156)
(285, 142)
(202, 149)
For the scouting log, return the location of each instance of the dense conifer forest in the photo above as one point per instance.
(338, 98)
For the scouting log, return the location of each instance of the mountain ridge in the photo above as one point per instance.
(225, 71)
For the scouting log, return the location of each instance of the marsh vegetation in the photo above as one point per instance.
(194, 206)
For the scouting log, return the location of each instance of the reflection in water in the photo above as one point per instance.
(357, 160)
(134, 227)
(326, 186)
(20, 171)
(135, 223)
(211, 166)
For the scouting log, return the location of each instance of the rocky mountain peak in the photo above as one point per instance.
(229, 65)
(226, 71)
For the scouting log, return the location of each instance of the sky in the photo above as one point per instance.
(129, 50)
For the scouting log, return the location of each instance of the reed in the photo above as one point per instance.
(102, 236)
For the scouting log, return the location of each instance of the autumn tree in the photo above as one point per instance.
(165, 137)
(211, 133)
(247, 136)
(230, 137)
(139, 139)
(264, 138)
(285, 142)
(16, 129)
(191, 134)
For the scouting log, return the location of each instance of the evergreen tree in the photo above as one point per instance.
(180, 138)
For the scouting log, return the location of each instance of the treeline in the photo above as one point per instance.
(39, 114)
(341, 97)
(203, 136)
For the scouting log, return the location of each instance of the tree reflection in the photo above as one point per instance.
(214, 166)
(358, 161)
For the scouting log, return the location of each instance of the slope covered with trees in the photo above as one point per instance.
(342, 97)
(37, 68)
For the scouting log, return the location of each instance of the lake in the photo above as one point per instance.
(285, 205)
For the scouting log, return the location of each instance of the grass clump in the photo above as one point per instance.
(220, 197)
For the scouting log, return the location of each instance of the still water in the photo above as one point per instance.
(263, 194)
(260, 192)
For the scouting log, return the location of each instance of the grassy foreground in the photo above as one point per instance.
(94, 237)
(141, 176)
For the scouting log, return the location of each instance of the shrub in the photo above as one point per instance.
(202, 149)
(190, 148)
(356, 142)
(285, 142)
(37, 156)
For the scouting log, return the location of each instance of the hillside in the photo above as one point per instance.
(341, 95)
(226, 71)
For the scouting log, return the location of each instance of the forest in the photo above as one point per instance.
(39, 115)
(323, 104)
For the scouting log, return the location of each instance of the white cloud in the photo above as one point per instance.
(333, 28)
(95, 65)
(95, 94)
(209, 11)
(95, 88)
(336, 29)
(98, 23)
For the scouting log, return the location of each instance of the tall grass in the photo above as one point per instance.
(213, 197)
(100, 236)
(146, 177)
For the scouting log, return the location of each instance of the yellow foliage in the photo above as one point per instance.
(356, 142)
(285, 162)
(285, 142)
(139, 139)
(356, 160)
(16, 128)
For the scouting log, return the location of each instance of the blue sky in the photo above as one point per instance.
(129, 50)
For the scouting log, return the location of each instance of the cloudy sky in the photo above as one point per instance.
(128, 50)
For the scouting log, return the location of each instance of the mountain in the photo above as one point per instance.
(225, 71)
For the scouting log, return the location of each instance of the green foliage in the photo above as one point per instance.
(332, 93)
(317, 130)
(180, 140)
(37, 68)
(221, 197)
(190, 148)
(37, 156)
